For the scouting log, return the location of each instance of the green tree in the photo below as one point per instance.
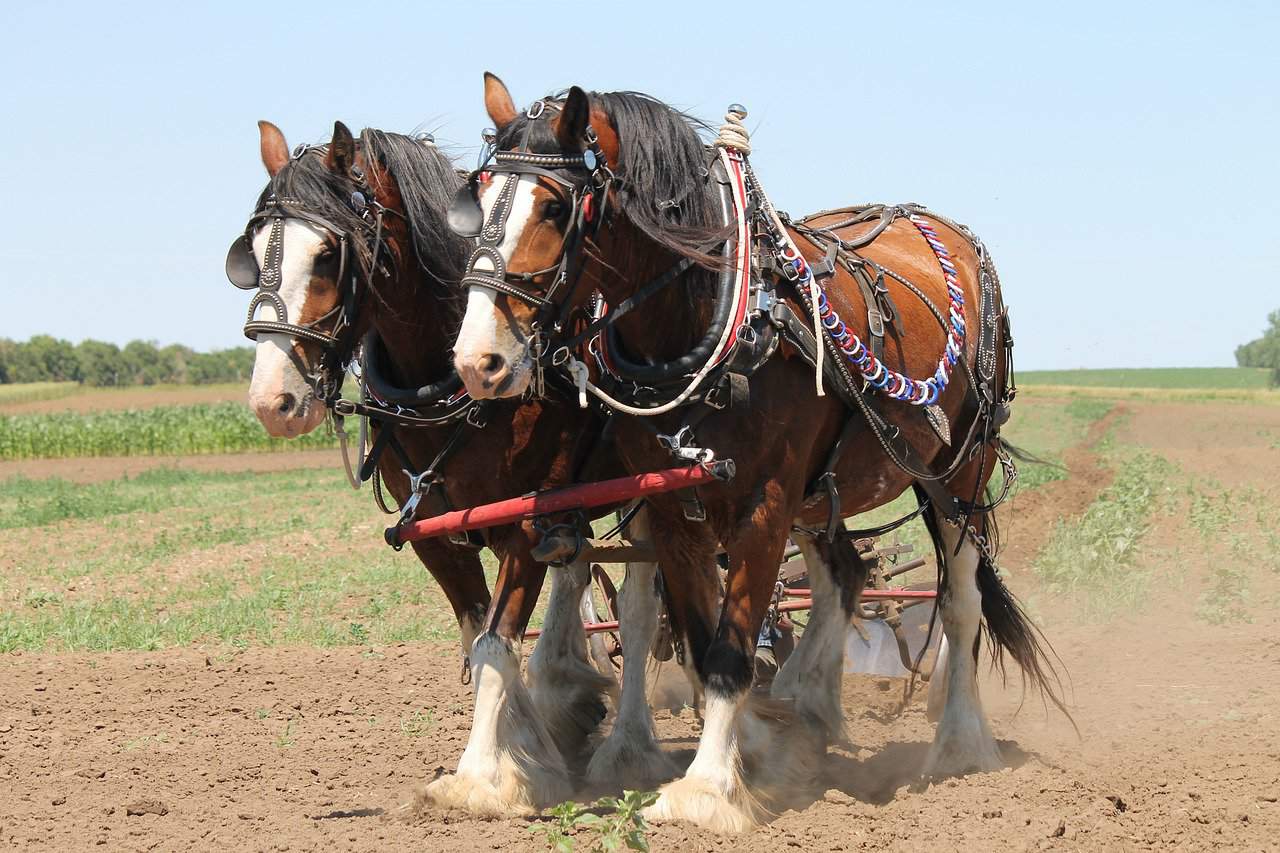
(101, 363)
(7, 349)
(1264, 351)
(143, 362)
(44, 358)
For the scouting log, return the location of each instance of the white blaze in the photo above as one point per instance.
(273, 373)
(481, 333)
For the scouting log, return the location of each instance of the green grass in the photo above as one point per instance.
(30, 392)
(160, 431)
(1044, 428)
(174, 558)
(1152, 377)
(1095, 555)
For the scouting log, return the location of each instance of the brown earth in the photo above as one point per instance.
(1178, 746)
(95, 469)
(113, 399)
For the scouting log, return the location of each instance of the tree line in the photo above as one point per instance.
(45, 358)
(1264, 351)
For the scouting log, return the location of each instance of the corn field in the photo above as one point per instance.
(28, 392)
(158, 431)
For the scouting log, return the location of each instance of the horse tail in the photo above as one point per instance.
(1023, 455)
(1011, 631)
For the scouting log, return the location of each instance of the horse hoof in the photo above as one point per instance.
(961, 749)
(699, 802)
(635, 762)
(476, 796)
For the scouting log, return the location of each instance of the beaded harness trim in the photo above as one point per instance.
(917, 392)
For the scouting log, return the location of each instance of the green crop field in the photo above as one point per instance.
(162, 430)
(1218, 378)
(172, 557)
(29, 392)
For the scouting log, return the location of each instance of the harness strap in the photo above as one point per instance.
(626, 306)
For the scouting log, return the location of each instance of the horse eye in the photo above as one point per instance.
(553, 210)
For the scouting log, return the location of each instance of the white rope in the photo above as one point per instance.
(733, 133)
(768, 208)
(579, 371)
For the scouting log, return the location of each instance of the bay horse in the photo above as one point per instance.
(348, 243)
(619, 193)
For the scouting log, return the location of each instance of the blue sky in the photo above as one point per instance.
(1119, 161)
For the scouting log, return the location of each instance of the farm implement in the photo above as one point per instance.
(887, 637)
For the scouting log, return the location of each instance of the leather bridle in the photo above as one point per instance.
(581, 181)
(334, 332)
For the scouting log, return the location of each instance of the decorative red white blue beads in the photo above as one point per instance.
(918, 392)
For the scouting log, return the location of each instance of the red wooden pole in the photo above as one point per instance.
(618, 490)
(869, 595)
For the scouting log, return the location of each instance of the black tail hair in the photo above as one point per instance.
(1007, 624)
(1023, 455)
(849, 570)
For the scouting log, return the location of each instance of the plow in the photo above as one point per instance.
(890, 636)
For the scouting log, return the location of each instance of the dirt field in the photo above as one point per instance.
(224, 746)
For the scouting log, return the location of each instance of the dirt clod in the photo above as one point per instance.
(142, 807)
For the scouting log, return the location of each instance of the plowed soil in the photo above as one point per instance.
(302, 749)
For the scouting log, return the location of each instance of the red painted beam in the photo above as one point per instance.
(589, 627)
(869, 595)
(581, 496)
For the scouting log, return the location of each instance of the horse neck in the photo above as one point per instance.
(667, 324)
(415, 318)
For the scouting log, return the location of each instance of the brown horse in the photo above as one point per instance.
(349, 243)
(617, 192)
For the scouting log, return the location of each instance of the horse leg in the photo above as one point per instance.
(963, 741)
(713, 792)
(811, 676)
(511, 764)
(567, 690)
(460, 575)
(630, 756)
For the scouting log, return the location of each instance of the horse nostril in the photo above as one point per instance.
(285, 403)
(491, 363)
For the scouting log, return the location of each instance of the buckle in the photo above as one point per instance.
(475, 416)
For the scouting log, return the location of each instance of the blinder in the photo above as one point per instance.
(242, 266)
(464, 216)
(486, 268)
(244, 272)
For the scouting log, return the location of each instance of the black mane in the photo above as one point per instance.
(425, 178)
(427, 182)
(662, 163)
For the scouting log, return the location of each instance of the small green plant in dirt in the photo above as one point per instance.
(144, 741)
(285, 741)
(1212, 512)
(418, 723)
(1226, 598)
(611, 823)
(559, 824)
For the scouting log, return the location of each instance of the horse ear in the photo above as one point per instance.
(275, 151)
(497, 101)
(571, 123)
(342, 149)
